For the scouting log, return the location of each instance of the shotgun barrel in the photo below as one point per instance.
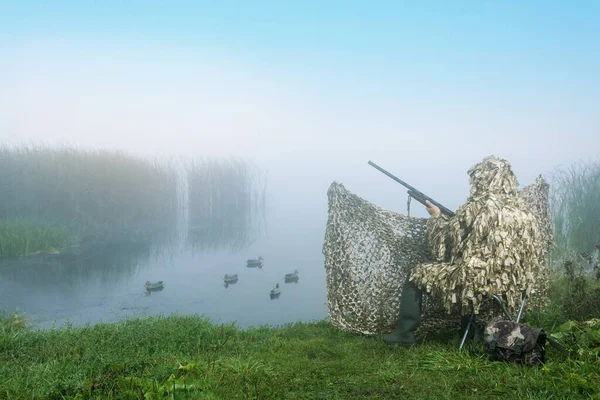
(414, 193)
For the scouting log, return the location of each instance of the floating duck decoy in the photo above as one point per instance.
(154, 285)
(292, 277)
(255, 262)
(230, 279)
(275, 292)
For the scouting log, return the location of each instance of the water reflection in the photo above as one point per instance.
(204, 240)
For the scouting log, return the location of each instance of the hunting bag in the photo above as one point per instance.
(514, 342)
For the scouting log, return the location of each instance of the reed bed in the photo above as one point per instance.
(91, 192)
(575, 207)
(226, 202)
(116, 195)
(21, 237)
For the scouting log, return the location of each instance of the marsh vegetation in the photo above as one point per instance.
(226, 202)
(575, 207)
(52, 197)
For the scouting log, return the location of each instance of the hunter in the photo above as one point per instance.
(492, 245)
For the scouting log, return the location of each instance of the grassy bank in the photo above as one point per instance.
(21, 237)
(155, 357)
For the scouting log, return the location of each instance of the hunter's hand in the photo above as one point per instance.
(432, 209)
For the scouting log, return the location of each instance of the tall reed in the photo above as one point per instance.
(125, 197)
(21, 237)
(90, 191)
(226, 202)
(575, 207)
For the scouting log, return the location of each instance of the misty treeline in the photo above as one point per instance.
(92, 193)
(575, 207)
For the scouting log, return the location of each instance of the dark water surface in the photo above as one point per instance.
(105, 283)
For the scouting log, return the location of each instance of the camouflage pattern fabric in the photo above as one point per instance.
(513, 342)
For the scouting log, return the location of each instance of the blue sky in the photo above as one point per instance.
(445, 42)
(397, 82)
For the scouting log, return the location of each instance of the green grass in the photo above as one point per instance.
(22, 237)
(192, 358)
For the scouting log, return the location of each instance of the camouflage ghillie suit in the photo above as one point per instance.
(493, 245)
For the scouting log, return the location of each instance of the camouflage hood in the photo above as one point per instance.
(492, 176)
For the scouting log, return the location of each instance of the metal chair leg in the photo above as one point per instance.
(502, 305)
(522, 307)
(469, 324)
(523, 300)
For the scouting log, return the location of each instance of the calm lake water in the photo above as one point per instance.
(106, 284)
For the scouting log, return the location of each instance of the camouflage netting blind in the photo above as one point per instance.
(369, 252)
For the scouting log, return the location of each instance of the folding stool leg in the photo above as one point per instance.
(469, 324)
(524, 298)
(503, 308)
(522, 307)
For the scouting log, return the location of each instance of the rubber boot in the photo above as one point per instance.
(409, 317)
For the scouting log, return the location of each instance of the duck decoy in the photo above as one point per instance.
(154, 285)
(292, 277)
(255, 262)
(275, 292)
(230, 280)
